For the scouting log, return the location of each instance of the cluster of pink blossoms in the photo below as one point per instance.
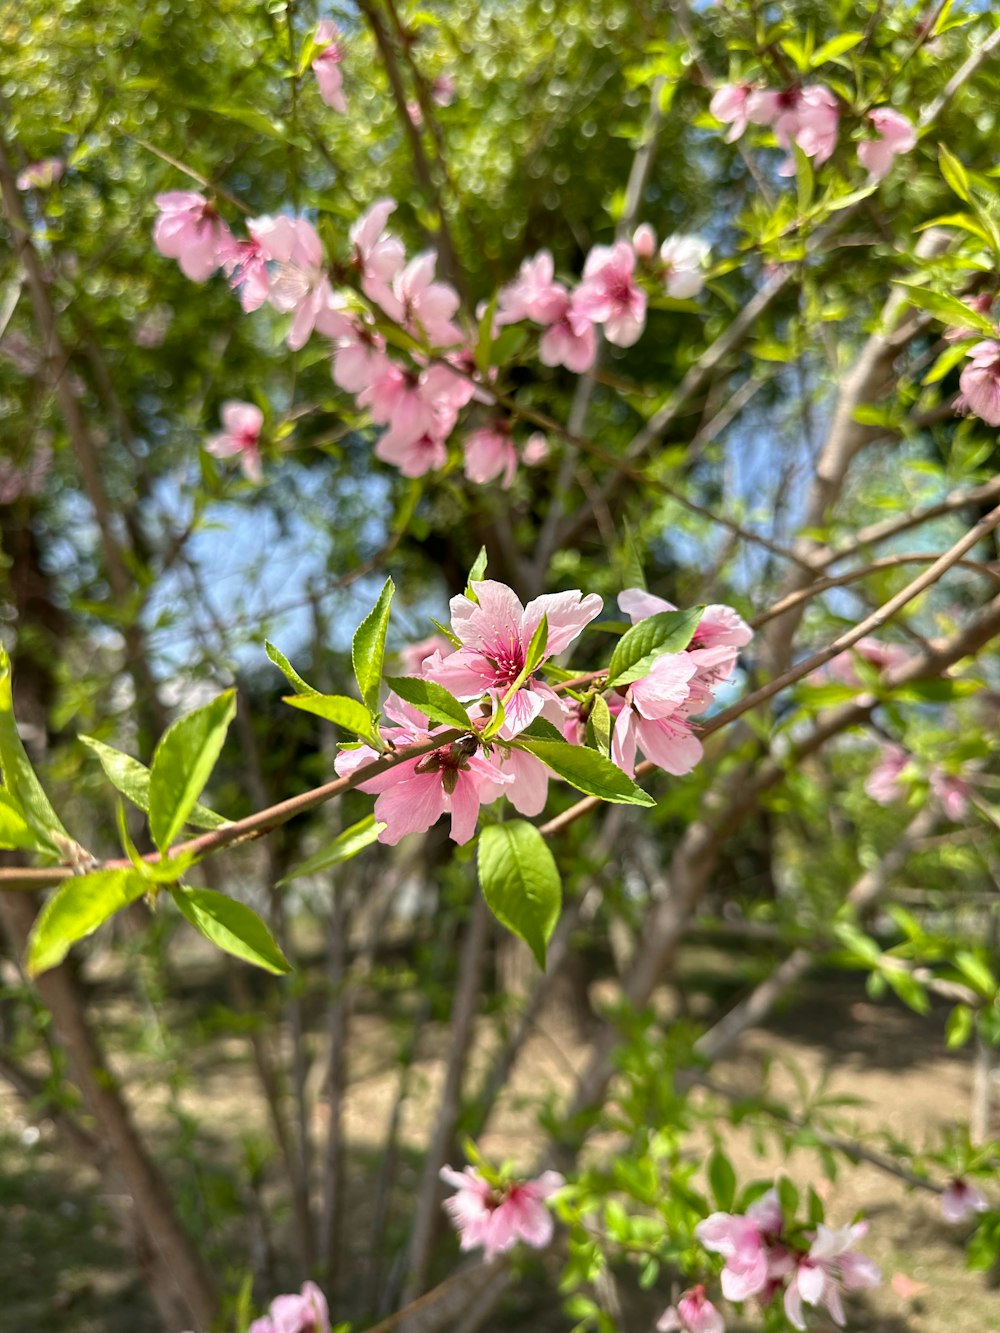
(886, 783)
(653, 714)
(497, 1216)
(281, 263)
(760, 1260)
(808, 117)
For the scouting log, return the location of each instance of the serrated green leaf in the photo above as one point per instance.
(452, 638)
(75, 910)
(520, 882)
(183, 763)
(476, 574)
(432, 699)
(345, 845)
(279, 659)
(23, 788)
(131, 778)
(640, 646)
(836, 46)
(538, 646)
(340, 709)
(600, 726)
(231, 926)
(368, 647)
(587, 771)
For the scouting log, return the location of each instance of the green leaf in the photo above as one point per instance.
(909, 990)
(632, 571)
(183, 763)
(345, 845)
(520, 882)
(948, 309)
(976, 973)
(587, 771)
(76, 909)
(959, 1027)
(640, 646)
(131, 778)
(722, 1180)
(433, 700)
(231, 926)
(788, 1197)
(279, 659)
(25, 791)
(475, 575)
(15, 832)
(166, 871)
(452, 638)
(340, 709)
(368, 647)
(600, 726)
(954, 173)
(537, 647)
(836, 46)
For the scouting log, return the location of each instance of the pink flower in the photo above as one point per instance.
(443, 90)
(412, 404)
(533, 294)
(644, 241)
(413, 795)
(359, 359)
(414, 458)
(301, 285)
(652, 715)
(961, 1200)
(684, 265)
(808, 117)
(884, 783)
(749, 1244)
(422, 306)
(240, 437)
(830, 1267)
(609, 294)
(980, 383)
(535, 451)
(326, 64)
(41, 175)
(495, 634)
(895, 135)
(245, 262)
(694, 1313)
(529, 780)
(490, 453)
(496, 1218)
(714, 646)
(570, 339)
(729, 104)
(378, 255)
(415, 655)
(190, 231)
(952, 792)
(982, 305)
(883, 656)
(306, 1312)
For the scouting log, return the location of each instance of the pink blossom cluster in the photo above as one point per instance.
(305, 1312)
(761, 1260)
(693, 1313)
(488, 667)
(807, 116)
(496, 1215)
(886, 783)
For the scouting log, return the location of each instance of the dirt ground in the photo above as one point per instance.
(62, 1268)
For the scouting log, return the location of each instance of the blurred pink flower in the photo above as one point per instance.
(533, 294)
(419, 304)
(415, 655)
(300, 284)
(41, 175)
(952, 792)
(895, 135)
(414, 458)
(694, 1313)
(326, 65)
(443, 90)
(240, 437)
(609, 295)
(729, 104)
(806, 116)
(980, 383)
(378, 254)
(644, 241)
(497, 1219)
(536, 450)
(831, 1266)
(245, 262)
(490, 454)
(961, 1200)
(306, 1312)
(684, 260)
(570, 339)
(190, 231)
(882, 656)
(884, 784)
(750, 1245)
